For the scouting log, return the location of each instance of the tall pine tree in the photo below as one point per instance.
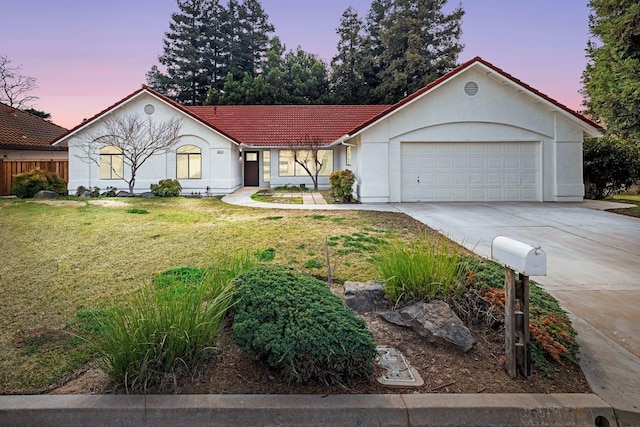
(420, 43)
(347, 79)
(187, 79)
(206, 41)
(373, 48)
(612, 76)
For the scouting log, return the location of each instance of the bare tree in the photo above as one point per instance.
(135, 137)
(14, 87)
(309, 159)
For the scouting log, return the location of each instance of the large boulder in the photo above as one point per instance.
(46, 194)
(434, 321)
(123, 193)
(365, 297)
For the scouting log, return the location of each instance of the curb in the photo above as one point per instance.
(413, 410)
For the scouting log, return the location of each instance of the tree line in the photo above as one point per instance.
(217, 53)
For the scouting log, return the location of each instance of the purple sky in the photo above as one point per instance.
(88, 54)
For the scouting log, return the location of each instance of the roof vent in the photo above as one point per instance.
(471, 88)
(149, 109)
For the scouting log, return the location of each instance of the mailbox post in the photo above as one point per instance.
(528, 261)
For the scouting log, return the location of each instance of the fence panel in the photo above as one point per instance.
(11, 167)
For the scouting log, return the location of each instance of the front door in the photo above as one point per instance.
(251, 169)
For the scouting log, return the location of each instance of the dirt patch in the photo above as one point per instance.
(109, 203)
(443, 370)
(59, 202)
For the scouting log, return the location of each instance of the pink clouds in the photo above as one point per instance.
(87, 55)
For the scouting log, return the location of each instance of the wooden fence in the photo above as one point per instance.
(11, 167)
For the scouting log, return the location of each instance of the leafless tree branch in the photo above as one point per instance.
(311, 146)
(14, 87)
(137, 138)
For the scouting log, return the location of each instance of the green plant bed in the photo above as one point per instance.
(294, 323)
(552, 336)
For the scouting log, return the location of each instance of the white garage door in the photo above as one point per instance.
(470, 171)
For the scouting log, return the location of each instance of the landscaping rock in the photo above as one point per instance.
(46, 194)
(434, 321)
(123, 193)
(365, 297)
(85, 194)
(148, 194)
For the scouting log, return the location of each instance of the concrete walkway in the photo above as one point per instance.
(593, 270)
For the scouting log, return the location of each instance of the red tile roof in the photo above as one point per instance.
(286, 125)
(24, 131)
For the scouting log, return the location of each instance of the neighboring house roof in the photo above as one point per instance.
(23, 131)
(287, 125)
(489, 67)
(299, 125)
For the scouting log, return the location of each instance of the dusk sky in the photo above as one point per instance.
(88, 54)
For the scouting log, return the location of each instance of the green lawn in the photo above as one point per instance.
(633, 199)
(58, 258)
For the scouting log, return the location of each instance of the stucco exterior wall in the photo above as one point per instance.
(221, 169)
(498, 112)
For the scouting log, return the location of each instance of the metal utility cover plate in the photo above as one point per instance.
(398, 371)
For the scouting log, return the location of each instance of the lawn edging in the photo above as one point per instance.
(301, 410)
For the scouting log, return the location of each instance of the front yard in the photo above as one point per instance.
(60, 260)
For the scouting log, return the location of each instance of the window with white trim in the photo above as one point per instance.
(189, 162)
(287, 166)
(111, 163)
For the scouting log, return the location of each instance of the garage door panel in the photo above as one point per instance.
(470, 171)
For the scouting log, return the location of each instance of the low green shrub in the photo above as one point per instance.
(110, 192)
(166, 188)
(81, 190)
(610, 166)
(27, 184)
(293, 322)
(342, 184)
(420, 270)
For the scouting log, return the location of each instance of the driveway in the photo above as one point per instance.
(593, 269)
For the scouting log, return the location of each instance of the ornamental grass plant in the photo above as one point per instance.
(167, 330)
(419, 270)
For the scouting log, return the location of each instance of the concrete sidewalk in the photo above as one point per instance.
(593, 270)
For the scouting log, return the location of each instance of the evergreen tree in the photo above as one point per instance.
(216, 35)
(373, 48)
(205, 42)
(347, 79)
(306, 78)
(612, 76)
(421, 43)
(297, 78)
(255, 35)
(187, 79)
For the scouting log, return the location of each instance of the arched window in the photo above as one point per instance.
(188, 162)
(111, 163)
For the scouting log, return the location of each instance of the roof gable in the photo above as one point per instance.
(130, 98)
(20, 130)
(489, 69)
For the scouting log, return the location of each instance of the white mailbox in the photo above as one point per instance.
(519, 256)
